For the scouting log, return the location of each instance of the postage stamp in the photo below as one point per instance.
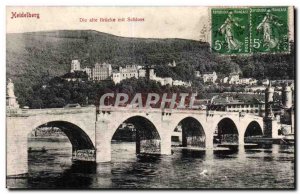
(269, 29)
(230, 30)
(250, 30)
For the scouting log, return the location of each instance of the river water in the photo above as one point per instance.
(256, 167)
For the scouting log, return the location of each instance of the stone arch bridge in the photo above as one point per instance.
(88, 129)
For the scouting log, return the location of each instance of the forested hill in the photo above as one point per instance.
(34, 57)
(53, 51)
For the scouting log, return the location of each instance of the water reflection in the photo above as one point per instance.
(80, 175)
(249, 166)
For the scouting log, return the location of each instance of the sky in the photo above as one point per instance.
(159, 22)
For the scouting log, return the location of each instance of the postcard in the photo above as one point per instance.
(150, 97)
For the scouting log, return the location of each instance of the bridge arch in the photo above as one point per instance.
(147, 136)
(253, 129)
(192, 132)
(226, 131)
(77, 136)
(82, 134)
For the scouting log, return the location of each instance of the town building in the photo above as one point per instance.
(197, 74)
(181, 83)
(282, 81)
(163, 80)
(128, 72)
(116, 77)
(159, 79)
(168, 81)
(104, 72)
(224, 80)
(172, 64)
(75, 66)
(234, 78)
(265, 82)
(75, 76)
(252, 81)
(101, 71)
(98, 72)
(229, 104)
(131, 71)
(248, 81)
(142, 73)
(209, 77)
(88, 72)
(255, 89)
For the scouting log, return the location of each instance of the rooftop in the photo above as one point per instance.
(238, 99)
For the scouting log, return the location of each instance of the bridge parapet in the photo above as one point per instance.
(212, 113)
(50, 111)
(105, 109)
(254, 117)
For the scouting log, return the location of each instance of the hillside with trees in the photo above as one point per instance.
(33, 59)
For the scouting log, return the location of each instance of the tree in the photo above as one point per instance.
(37, 103)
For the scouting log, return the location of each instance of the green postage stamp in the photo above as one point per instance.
(269, 31)
(230, 30)
(249, 30)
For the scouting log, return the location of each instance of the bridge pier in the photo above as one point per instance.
(103, 142)
(16, 149)
(208, 128)
(241, 137)
(209, 141)
(165, 142)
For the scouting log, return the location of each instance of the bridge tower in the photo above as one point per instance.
(270, 123)
(269, 94)
(287, 97)
(286, 108)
